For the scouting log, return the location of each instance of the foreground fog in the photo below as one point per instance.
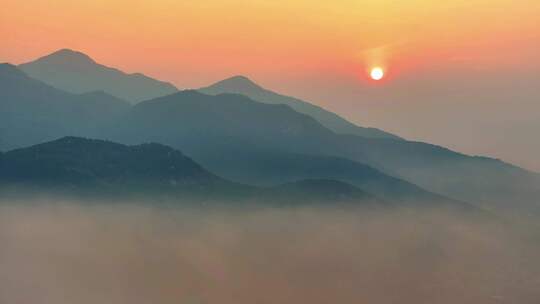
(70, 253)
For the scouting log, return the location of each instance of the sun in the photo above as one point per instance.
(376, 73)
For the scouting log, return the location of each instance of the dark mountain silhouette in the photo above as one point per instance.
(77, 73)
(244, 86)
(229, 132)
(195, 120)
(239, 138)
(32, 112)
(77, 164)
(97, 169)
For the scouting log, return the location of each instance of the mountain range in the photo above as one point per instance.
(92, 169)
(33, 112)
(261, 141)
(244, 86)
(212, 129)
(77, 73)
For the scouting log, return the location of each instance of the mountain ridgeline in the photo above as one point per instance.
(97, 169)
(214, 132)
(33, 112)
(264, 143)
(244, 86)
(73, 162)
(77, 73)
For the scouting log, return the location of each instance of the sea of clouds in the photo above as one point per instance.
(72, 253)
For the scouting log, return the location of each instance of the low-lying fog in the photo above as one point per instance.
(69, 253)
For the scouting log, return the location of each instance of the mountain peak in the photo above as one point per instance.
(76, 72)
(239, 78)
(237, 84)
(68, 56)
(244, 86)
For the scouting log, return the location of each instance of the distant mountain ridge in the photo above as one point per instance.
(244, 86)
(99, 115)
(32, 112)
(231, 132)
(76, 72)
(97, 169)
(258, 143)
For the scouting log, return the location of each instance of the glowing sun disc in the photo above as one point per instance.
(377, 73)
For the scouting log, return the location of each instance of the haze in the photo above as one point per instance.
(64, 252)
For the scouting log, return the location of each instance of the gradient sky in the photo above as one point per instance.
(464, 73)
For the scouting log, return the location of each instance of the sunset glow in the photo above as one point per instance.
(196, 42)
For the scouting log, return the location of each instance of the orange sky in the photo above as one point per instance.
(320, 50)
(194, 42)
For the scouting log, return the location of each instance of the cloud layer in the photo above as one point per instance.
(69, 253)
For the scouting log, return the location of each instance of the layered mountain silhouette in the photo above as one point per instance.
(244, 86)
(230, 132)
(213, 131)
(77, 73)
(260, 143)
(32, 112)
(101, 169)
